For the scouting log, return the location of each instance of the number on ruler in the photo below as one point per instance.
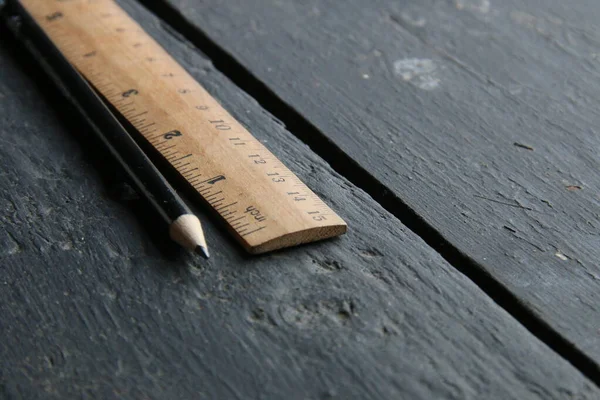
(54, 16)
(130, 92)
(172, 134)
(216, 179)
(221, 125)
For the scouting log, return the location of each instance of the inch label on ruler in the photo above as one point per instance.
(264, 204)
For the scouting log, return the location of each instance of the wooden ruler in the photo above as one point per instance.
(266, 206)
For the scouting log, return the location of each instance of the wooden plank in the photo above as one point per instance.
(93, 306)
(480, 116)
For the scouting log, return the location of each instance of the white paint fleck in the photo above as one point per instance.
(480, 6)
(110, 294)
(420, 72)
(66, 245)
(515, 89)
(366, 76)
(14, 249)
(554, 20)
(561, 256)
(523, 18)
(413, 19)
(542, 25)
(45, 210)
(12, 246)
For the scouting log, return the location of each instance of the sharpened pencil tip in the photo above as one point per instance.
(203, 251)
(187, 231)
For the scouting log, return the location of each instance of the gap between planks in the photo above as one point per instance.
(343, 164)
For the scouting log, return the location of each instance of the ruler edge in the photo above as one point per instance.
(329, 232)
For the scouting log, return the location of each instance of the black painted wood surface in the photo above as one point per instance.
(94, 305)
(480, 118)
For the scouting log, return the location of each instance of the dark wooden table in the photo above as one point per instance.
(458, 138)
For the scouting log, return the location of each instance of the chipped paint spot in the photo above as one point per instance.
(523, 146)
(573, 188)
(561, 256)
(480, 6)
(420, 72)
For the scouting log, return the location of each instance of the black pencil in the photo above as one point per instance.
(184, 226)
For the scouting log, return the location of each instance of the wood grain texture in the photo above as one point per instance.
(480, 115)
(94, 307)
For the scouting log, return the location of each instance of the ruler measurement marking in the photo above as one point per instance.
(179, 159)
(167, 148)
(185, 173)
(140, 114)
(172, 153)
(227, 206)
(256, 230)
(158, 145)
(179, 167)
(227, 213)
(146, 126)
(158, 136)
(214, 194)
(195, 178)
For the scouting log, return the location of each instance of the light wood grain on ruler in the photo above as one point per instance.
(266, 206)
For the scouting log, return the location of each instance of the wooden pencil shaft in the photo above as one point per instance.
(142, 173)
